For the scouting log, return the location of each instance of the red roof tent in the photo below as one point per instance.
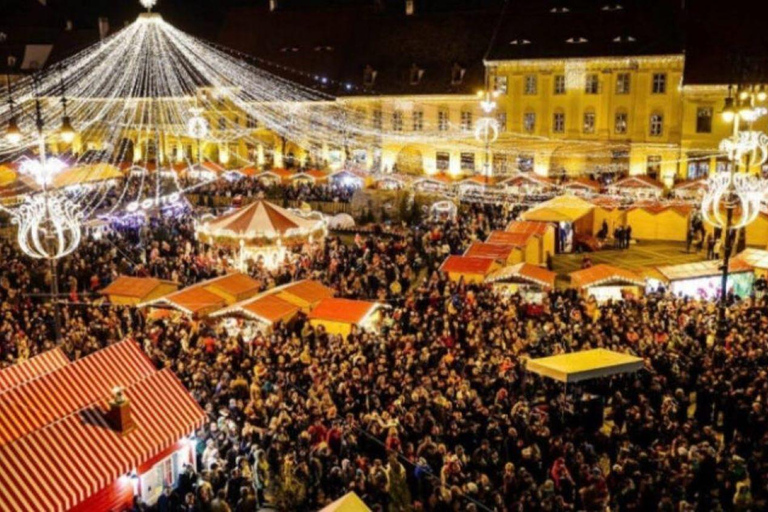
(467, 265)
(486, 250)
(342, 310)
(32, 368)
(36, 403)
(604, 274)
(507, 238)
(77, 453)
(527, 226)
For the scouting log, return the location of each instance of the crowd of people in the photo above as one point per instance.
(435, 412)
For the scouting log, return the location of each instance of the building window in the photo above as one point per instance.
(559, 84)
(659, 85)
(723, 164)
(558, 122)
(397, 121)
(657, 125)
(620, 123)
(704, 120)
(222, 124)
(698, 166)
(653, 166)
(468, 162)
(622, 83)
(418, 120)
(525, 162)
(251, 122)
(377, 119)
(500, 84)
(501, 118)
(529, 122)
(591, 85)
(442, 120)
(530, 85)
(589, 122)
(443, 160)
(466, 120)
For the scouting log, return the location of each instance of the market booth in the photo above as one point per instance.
(306, 293)
(262, 231)
(583, 187)
(469, 268)
(113, 428)
(604, 282)
(524, 246)
(542, 232)
(571, 215)
(667, 223)
(703, 279)
(350, 178)
(637, 187)
(757, 231)
(756, 258)
(690, 190)
(129, 291)
(339, 316)
(529, 184)
(202, 299)
(350, 502)
(257, 315)
(584, 365)
(530, 281)
(310, 177)
(503, 253)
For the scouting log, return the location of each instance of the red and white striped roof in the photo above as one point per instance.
(46, 399)
(60, 465)
(32, 368)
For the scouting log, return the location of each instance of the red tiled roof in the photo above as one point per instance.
(55, 467)
(342, 310)
(137, 287)
(517, 239)
(486, 250)
(527, 226)
(39, 402)
(603, 273)
(271, 308)
(32, 368)
(467, 265)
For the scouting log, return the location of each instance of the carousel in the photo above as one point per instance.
(262, 231)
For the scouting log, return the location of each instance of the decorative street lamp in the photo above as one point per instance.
(733, 199)
(49, 224)
(487, 128)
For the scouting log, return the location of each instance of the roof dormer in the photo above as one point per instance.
(457, 73)
(369, 76)
(416, 73)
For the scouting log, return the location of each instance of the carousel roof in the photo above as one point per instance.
(261, 218)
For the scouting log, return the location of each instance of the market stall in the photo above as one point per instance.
(470, 269)
(756, 258)
(604, 282)
(530, 281)
(584, 365)
(443, 210)
(127, 290)
(571, 215)
(262, 231)
(529, 184)
(339, 316)
(660, 222)
(703, 279)
(525, 247)
(582, 187)
(503, 253)
(637, 188)
(543, 234)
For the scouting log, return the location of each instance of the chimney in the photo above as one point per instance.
(103, 27)
(69, 26)
(119, 414)
(272, 5)
(410, 7)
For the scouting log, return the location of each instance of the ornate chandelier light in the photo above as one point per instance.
(742, 194)
(49, 226)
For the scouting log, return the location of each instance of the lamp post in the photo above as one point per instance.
(487, 128)
(739, 195)
(48, 225)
